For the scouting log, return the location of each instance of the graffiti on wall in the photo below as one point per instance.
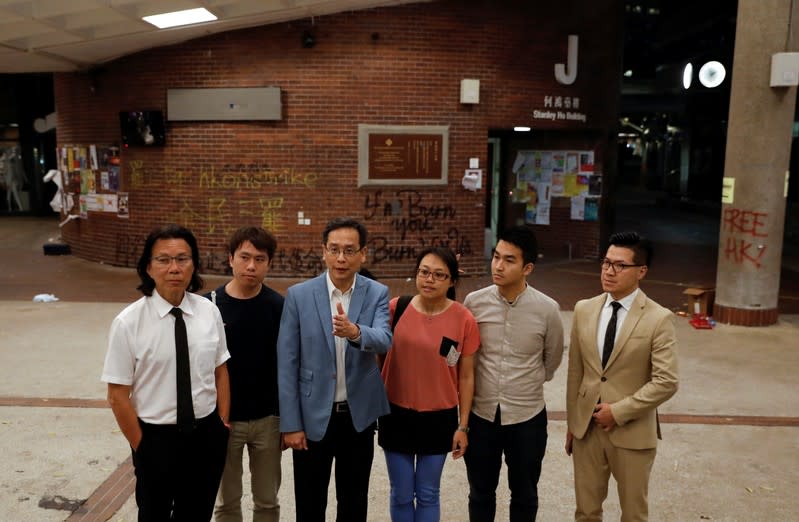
(228, 177)
(254, 177)
(127, 249)
(220, 214)
(299, 261)
(418, 223)
(746, 233)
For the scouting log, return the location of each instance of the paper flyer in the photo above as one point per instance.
(518, 162)
(94, 202)
(570, 185)
(542, 213)
(85, 177)
(577, 208)
(587, 161)
(83, 207)
(572, 165)
(113, 178)
(93, 157)
(582, 183)
(591, 209)
(110, 203)
(122, 205)
(530, 213)
(557, 184)
(595, 185)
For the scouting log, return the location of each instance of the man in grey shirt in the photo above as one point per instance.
(521, 347)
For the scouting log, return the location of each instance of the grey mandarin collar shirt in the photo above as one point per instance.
(521, 347)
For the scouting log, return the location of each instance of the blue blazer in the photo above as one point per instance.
(306, 356)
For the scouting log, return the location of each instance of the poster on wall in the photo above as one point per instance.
(572, 163)
(94, 202)
(587, 161)
(86, 181)
(122, 205)
(568, 173)
(544, 202)
(591, 209)
(92, 175)
(113, 178)
(595, 185)
(93, 157)
(110, 203)
(578, 208)
(557, 183)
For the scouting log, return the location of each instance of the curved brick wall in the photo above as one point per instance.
(215, 176)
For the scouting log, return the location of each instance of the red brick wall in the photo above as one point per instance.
(216, 176)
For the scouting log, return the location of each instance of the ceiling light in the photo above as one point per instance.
(521, 129)
(177, 18)
(712, 74)
(628, 73)
(687, 75)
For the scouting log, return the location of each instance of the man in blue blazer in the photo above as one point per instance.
(329, 385)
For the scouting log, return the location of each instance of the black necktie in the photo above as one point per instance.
(185, 406)
(610, 333)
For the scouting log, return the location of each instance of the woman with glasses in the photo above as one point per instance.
(429, 378)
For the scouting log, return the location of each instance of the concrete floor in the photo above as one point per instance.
(731, 434)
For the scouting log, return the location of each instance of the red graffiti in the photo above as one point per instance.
(745, 221)
(740, 251)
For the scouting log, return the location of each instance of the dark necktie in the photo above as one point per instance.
(610, 333)
(185, 406)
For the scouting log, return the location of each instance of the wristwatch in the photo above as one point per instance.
(464, 429)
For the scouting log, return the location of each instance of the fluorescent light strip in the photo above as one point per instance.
(177, 18)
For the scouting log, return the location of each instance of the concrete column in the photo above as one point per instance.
(757, 159)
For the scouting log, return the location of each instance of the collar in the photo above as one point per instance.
(332, 288)
(502, 299)
(162, 306)
(626, 302)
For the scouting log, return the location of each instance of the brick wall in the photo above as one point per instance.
(392, 66)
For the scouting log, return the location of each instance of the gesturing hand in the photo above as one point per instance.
(342, 327)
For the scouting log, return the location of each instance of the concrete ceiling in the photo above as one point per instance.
(70, 35)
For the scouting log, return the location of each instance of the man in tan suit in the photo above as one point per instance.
(622, 366)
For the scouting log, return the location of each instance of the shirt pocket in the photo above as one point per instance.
(204, 357)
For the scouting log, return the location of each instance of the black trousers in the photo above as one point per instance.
(353, 452)
(177, 474)
(524, 445)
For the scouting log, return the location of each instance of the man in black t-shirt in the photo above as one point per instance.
(251, 312)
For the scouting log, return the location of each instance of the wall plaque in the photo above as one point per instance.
(402, 154)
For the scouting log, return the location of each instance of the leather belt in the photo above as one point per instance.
(341, 407)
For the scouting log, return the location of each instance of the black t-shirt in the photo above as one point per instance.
(251, 327)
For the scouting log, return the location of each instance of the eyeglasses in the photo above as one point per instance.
(425, 273)
(165, 261)
(617, 267)
(348, 252)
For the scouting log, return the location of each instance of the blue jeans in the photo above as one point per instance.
(422, 483)
(524, 445)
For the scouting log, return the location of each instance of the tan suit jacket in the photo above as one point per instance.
(640, 375)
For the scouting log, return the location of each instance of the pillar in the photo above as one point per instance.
(757, 158)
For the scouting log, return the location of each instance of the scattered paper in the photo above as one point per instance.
(44, 298)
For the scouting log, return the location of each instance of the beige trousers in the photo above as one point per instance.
(595, 459)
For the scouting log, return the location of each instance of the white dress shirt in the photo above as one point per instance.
(606, 313)
(337, 296)
(141, 354)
